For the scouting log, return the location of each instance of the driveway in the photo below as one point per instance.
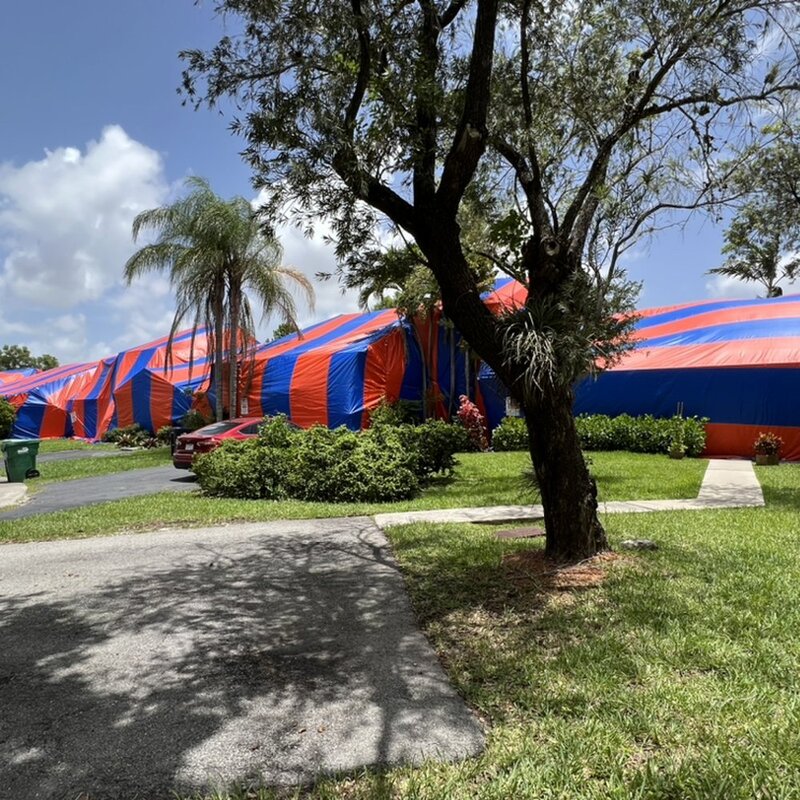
(100, 489)
(269, 652)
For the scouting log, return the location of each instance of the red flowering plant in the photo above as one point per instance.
(767, 444)
(472, 419)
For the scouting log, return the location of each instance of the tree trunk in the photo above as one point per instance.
(568, 491)
(233, 355)
(219, 356)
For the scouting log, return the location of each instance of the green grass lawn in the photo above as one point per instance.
(51, 471)
(677, 676)
(665, 674)
(61, 445)
(481, 479)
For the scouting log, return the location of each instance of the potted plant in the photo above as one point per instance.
(767, 448)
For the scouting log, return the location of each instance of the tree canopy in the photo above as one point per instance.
(553, 113)
(14, 356)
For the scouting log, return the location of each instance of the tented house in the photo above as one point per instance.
(735, 362)
(142, 385)
(333, 373)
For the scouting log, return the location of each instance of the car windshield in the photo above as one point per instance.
(216, 428)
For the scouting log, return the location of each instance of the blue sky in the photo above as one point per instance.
(92, 132)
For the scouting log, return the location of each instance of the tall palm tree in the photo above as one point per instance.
(215, 251)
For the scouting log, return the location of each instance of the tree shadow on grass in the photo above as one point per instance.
(255, 658)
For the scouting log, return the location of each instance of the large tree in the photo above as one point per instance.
(368, 110)
(215, 252)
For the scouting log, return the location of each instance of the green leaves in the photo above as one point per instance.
(14, 356)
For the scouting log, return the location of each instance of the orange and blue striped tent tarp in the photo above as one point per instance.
(141, 385)
(735, 362)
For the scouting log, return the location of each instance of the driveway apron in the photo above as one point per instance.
(268, 653)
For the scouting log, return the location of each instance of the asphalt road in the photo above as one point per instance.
(272, 652)
(88, 491)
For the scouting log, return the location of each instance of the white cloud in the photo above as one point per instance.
(65, 220)
(311, 255)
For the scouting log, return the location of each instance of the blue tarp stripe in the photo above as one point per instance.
(346, 388)
(735, 331)
(277, 380)
(744, 396)
(704, 308)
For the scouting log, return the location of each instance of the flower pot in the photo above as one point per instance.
(767, 459)
(675, 455)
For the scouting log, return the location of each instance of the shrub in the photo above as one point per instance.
(644, 434)
(164, 434)
(278, 432)
(246, 469)
(7, 414)
(317, 464)
(341, 466)
(472, 419)
(510, 434)
(436, 443)
(129, 436)
(193, 420)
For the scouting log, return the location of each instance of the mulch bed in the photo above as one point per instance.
(530, 568)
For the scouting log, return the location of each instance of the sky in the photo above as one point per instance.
(92, 132)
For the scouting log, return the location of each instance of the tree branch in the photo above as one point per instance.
(469, 142)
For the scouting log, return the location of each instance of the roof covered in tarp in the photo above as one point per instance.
(736, 362)
(141, 385)
(13, 375)
(333, 373)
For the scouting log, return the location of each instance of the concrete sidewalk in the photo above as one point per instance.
(726, 484)
(12, 494)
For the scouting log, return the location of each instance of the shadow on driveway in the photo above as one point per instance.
(269, 653)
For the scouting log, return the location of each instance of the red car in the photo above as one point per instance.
(206, 439)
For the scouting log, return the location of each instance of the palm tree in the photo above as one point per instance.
(754, 244)
(215, 251)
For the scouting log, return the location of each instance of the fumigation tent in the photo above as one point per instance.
(735, 362)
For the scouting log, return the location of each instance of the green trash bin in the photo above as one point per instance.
(19, 456)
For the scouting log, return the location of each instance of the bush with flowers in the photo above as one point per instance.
(471, 418)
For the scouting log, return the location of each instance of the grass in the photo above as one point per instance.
(62, 445)
(676, 676)
(53, 471)
(481, 479)
(660, 674)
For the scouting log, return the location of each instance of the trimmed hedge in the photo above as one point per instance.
(510, 434)
(644, 434)
(386, 462)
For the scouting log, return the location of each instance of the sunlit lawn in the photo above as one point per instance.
(663, 674)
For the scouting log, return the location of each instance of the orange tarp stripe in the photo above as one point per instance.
(263, 358)
(737, 440)
(383, 372)
(308, 394)
(784, 351)
(721, 317)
